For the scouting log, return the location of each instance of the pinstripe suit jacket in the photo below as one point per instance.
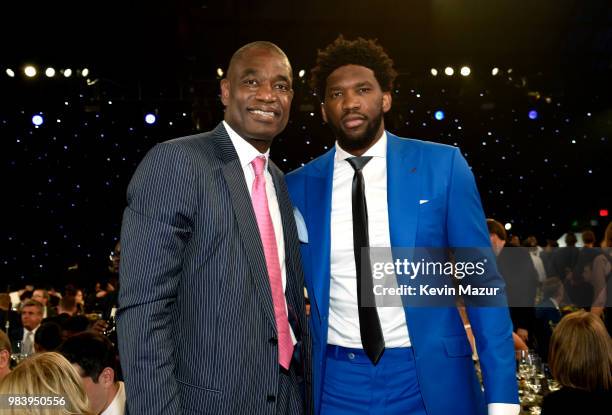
(196, 326)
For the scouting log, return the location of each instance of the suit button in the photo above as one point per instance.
(271, 398)
(273, 340)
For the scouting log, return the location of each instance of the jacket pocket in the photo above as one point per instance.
(457, 346)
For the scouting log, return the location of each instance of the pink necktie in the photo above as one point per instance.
(268, 239)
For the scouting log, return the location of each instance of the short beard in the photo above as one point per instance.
(362, 142)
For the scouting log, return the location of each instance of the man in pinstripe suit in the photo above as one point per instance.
(211, 313)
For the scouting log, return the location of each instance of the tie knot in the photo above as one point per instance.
(258, 164)
(358, 163)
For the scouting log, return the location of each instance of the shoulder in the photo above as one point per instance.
(313, 167)
(428, 147)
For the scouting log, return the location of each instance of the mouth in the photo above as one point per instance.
(263, 114)
(353, 121)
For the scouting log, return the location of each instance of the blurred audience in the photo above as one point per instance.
(48, 337)
(548, 313)
(93, 355)
(46, 374)
(31, 317)
(5, 355)
(580, 359)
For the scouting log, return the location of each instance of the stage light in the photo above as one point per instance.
(508, 226)
(150, 118)
(30, 71)
(449, 71)
(533, 114)
(84, 72)
(439, 115)
(37, 120)
(67, 72)
(465, 71)
(220, 72)
(494, 71)
(434, 71)
(301, 73)
(603, 213)
(10, 72)
(50, 72)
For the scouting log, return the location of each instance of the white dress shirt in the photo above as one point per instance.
(343, 314)
(246, 154)
(117, 406)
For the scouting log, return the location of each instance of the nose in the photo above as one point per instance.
(350, 102)
(266, 92)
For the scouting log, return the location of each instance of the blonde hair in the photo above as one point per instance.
(580, 354)
(46, 374)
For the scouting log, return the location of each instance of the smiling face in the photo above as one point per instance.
(354, 107)
(257, 94)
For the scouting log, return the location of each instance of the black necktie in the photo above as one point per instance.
(369, 324)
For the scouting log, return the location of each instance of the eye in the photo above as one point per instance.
(364, 90)
(282, 87)
(250, 82)
(336, 94)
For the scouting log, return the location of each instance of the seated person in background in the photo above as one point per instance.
(67, 305)
(580, 359)
(46, 374)
(48, 337)
(93, 356)
(5, 355)
(548, 313)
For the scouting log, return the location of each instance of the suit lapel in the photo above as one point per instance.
(403, 190)
(245, 219)
(318, 213)
(293, 291)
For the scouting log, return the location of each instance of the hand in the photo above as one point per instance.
(100, 326)
(523, 334)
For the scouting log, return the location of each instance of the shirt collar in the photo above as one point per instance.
(377, 150)
(246, 152)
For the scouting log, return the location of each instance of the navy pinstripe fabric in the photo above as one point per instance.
(195, 323)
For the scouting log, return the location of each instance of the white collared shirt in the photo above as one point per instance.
(343, 314)
(117, 406)
(246, 154)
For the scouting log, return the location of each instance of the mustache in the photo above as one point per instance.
(354, 115)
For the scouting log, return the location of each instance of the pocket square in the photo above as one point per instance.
(301, 226)
(423, 201)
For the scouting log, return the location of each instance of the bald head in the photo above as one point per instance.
(257, 93)
(259, 45)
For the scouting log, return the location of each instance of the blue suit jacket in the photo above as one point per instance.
(452, 217)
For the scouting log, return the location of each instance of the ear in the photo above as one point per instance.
(107, 377)
(386, 101)
(323, 113)
(225, 91)
(4, 359)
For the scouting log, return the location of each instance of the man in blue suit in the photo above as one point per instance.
(378, 190)
(211, 315)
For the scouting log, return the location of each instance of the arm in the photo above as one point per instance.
(491, 326)
(156, 227)
(601, 268)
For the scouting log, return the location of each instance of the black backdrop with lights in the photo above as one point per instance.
(65, 180)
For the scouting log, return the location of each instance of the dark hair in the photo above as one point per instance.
(496, 228)
(363, 52)
(48, 336)
(91, 351)
(588, 237)
(570, 239)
